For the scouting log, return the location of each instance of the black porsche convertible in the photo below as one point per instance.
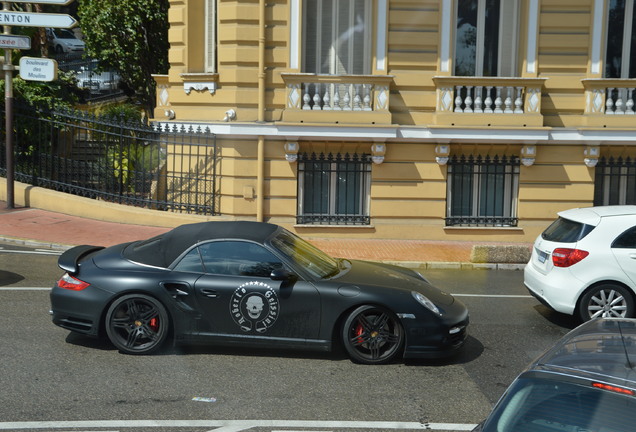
(252, 284)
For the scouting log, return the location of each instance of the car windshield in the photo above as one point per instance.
(538, 405)
(64, 34)
(305, 255)
(566, 231)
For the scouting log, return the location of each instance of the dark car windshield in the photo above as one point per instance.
(538, 405)
(566, 231)
(306, 255)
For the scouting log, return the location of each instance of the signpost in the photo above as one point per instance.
(38, 69)
(35, 19)
(33, 69)
(15, 42)
(49, 2)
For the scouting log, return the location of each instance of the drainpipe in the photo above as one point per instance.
(260, 178)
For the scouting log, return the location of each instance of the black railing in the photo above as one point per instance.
(149, 166)
(482, 191)
(333, 189)
(615, 181)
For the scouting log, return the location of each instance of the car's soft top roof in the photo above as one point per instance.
(599, 347)
(163, 249)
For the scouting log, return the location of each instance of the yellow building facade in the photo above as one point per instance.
(412, 119)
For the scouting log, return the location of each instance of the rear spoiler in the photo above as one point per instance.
(69, 260)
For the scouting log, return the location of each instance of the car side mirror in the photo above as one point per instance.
(282, 275)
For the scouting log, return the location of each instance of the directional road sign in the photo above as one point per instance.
(15, 42)
(51, 2)
(33, 19)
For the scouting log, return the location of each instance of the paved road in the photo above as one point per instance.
(61, 381)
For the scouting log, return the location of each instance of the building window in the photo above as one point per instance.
(615, 181)
(210, 36)
(337, 37)
(333, 190)
(482, 191)
(486, 38)
(620, 53)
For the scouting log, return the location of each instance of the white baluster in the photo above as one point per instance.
(306, 97)
(498, 101)
(458, 99)
(357, 100)
(367, 97)
(347, 98)
(469, 99)
(317, 98)
(336, 98)
(609, 103)
(488, 100)
(508, 101)
(519, 101)
(326, 99)
(620, 105)
(478, 100)
(630, 101)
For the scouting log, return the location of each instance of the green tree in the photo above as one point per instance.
(130, 37)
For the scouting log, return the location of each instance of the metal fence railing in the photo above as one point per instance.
(151, 166)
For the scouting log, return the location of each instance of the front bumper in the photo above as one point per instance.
(439, 338)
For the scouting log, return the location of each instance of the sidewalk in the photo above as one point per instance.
(32, 226)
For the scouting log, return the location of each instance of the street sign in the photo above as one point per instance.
(38, 69)
(15, 42)
(36, 19)
(51, 2)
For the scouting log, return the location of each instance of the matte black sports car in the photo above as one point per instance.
(252, 284)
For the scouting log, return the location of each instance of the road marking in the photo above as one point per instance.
(493, 295)
(33, 252)
(25, 289)
(237, 425)
(455, 295)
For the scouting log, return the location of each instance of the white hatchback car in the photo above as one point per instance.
(584, 263)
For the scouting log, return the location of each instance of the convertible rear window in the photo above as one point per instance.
(566, 231)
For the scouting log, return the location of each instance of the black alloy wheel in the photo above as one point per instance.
(372, 335)
(137, 324)
(606, 301)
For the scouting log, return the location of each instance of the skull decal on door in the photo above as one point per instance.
(254, 307)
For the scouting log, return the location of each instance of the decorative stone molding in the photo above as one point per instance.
(528, 155)
(199, 82)
(291, 151)
(591, 155)
(442, 152)
(377, 153)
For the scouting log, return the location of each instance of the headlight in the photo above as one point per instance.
(424, 301)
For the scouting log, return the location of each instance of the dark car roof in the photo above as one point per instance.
(163, 249)
(601, 348)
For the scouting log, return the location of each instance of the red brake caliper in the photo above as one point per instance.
(154, 324)
(358, 332)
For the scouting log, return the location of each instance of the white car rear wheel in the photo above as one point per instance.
(606, 301)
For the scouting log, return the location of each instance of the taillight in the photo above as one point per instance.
(564, 257)
(69, 282)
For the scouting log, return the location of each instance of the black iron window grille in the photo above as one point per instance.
(333, 189)
(482, 191)
(615, 181)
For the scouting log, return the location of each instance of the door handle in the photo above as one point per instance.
(210, 293)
